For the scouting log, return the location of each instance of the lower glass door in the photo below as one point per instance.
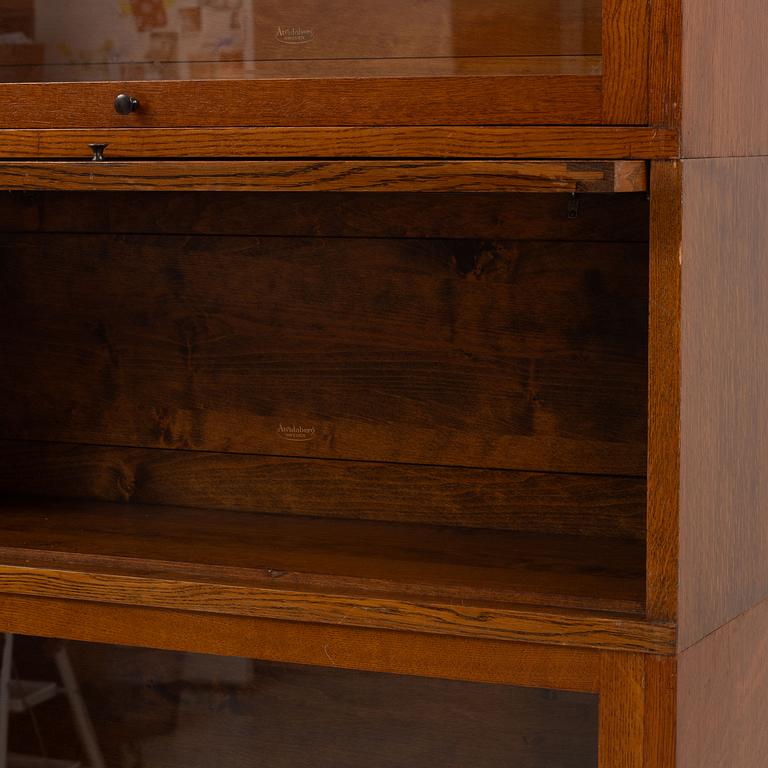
(155, 709)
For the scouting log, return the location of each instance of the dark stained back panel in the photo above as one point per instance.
(485, 381)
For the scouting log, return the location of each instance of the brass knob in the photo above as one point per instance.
(125, 104)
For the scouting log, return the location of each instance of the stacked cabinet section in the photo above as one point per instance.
(410, 410)
(313, 62)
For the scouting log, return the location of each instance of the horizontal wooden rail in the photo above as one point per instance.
(441, 141)
(514, 623)
(340, 646)
(329, 176)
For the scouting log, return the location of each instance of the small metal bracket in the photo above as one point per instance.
(573, 206)
(98, 152)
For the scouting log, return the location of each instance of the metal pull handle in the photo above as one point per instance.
(125, 104)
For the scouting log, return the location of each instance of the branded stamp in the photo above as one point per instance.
(294, 35)
(296, 433)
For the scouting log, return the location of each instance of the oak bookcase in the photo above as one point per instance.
(387, 383)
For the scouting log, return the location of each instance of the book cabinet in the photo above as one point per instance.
(386, 382)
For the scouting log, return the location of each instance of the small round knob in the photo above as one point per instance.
(125, 104)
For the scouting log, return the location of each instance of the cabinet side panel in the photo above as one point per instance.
(722, 696)
(724, 411)
(725, 78)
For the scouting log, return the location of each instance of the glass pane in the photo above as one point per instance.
(173, 710)
(97, 40)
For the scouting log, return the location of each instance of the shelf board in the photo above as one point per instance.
(367, 557)
(536, 176)
(502, 584)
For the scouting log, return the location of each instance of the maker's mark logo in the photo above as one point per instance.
(294, 35)
(296, 433)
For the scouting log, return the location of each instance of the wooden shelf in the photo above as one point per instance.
(329, 175)
(431, 578)
(366, 557)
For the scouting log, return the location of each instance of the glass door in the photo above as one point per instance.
(321, 62)
(114, 40)
(137, 707)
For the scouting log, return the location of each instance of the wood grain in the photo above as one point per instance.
(664, 390)
(482, 141)
(328, 176)
(723, 478)
(660, 720)
(665, 76)
(725, 78)
(469, 215)
(527, 356)
(340, 646)
(353, 557)
(722, 702)
(532, 625)
(581, 505)
(622, 702)
(365, 101)
(501, 25)
(625, 61)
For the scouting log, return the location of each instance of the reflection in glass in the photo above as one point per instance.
(156, 709)
(183, 39)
